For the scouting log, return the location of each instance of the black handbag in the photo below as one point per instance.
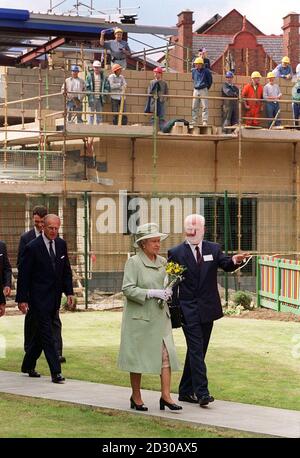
(175, 314)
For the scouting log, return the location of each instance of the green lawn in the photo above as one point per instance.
(28, 417)
(250, 361)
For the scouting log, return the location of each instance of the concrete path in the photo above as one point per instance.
(245, 417)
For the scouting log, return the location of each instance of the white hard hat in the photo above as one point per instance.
(96, 63)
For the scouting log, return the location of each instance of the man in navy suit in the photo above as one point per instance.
(199, 301)
(38, 214)
(5, 277)
(44, 274)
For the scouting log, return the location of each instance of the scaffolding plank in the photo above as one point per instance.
(269, 135)
(109, 130)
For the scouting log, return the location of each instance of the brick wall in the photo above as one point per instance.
(183, 43)
(291, 38)
(180, 84)
(26, 81)
(247, 54)
(231, 24)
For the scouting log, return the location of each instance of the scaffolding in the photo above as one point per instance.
(41, 152)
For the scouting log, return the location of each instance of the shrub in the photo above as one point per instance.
(242, 298)
(232, 309)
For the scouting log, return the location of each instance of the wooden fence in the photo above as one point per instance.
(278, 284)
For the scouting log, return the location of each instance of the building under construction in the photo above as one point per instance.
(103, 180)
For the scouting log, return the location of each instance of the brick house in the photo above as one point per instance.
(233, 42)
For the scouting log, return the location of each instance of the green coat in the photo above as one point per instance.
(144, 324)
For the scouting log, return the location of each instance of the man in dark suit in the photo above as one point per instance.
(44, 274)
(5, 277)
(200, 304)
(38, 214)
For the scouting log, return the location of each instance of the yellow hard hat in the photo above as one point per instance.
(198, 60)
(270, 75)
(117, 30)
(285, 59)
(255, 75)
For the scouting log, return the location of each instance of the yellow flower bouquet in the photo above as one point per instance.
(174, 276)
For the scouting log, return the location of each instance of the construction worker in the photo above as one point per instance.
(202, 52)
(74, 88)
(296, 102)
(253, 90)
(96, 85)
(118, 48)
(118, 85)
(159, 87)
(284, 70)
(202, 80)
(272, 94)
(230, 109)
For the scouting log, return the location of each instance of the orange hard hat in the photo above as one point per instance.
(116, 67)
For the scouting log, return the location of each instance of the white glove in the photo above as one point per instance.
(163, 294)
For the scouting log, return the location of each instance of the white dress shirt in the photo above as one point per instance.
(37, 233)
(193, 248)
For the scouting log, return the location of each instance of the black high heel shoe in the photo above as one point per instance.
(135, 406)
(163, 404)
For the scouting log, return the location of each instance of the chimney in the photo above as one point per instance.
(184, 40)
(291, 38)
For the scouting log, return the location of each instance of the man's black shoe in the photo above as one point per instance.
(206, 399)
(57, 378)
(32, 373)
(188, 398)
(62, 359)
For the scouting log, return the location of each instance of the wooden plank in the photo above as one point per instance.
(282, 135)
(109, 129)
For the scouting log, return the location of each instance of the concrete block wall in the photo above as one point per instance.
(196, 166)
(31, 82)
(180, 85)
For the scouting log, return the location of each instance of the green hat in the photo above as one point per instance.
(148, 231)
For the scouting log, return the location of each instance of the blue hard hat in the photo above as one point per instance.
(75, 68)
(229, 75)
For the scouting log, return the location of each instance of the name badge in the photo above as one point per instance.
(208, 257)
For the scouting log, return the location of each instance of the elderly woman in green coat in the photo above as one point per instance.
(147, 344)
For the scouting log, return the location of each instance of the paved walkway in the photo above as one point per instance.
(245, 417)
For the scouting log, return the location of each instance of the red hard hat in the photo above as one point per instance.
(158, 70)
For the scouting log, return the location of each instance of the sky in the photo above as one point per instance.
(265, 15)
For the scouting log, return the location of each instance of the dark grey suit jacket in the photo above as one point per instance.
(39, 284)
(198, 294)
(24, 240)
